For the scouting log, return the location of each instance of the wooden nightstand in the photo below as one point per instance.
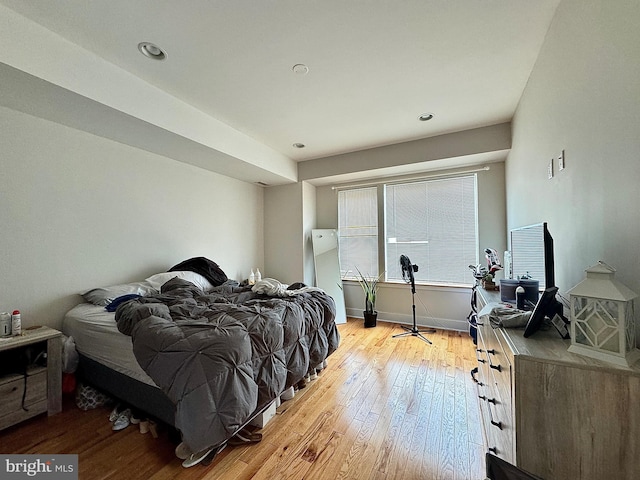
(30, 383)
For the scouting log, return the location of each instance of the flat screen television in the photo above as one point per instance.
(532, 254)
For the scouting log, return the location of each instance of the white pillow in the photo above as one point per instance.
(159, 279)
(103, 296)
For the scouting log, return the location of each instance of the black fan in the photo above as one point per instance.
(408, 269)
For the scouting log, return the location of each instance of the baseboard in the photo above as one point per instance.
(442, 323)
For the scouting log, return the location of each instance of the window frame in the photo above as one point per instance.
(382, 224)
(346, 273)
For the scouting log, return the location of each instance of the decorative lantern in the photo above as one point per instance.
(602, 318)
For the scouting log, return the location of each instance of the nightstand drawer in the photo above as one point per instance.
(12, 389)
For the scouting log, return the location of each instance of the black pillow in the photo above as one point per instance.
(205, 267)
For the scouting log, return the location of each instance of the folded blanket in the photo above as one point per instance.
(273, 288)
(508, 317)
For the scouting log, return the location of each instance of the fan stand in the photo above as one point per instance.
(414, 331)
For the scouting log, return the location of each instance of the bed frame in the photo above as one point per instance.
(140, 395)
(144, 397)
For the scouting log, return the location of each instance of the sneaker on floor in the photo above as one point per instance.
(114, 413)
(123, 420)
(196, 458)
(183, 452)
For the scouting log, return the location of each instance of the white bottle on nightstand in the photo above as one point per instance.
(252, 278)
(258, 275)
(16, 323)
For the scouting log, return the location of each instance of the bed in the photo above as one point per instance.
(203, 358)
(107, 362)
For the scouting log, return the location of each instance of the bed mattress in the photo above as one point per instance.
(96, 336)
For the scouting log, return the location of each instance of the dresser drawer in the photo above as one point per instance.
(494, 377)
(501, 429)
(497, 421)
(498, 364)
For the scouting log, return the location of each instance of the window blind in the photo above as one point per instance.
(358, 232)
(434, 223)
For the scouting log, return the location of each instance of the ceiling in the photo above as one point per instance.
(373, 66)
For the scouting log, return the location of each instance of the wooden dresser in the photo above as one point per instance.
(556, 414)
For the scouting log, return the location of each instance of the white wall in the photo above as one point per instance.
(440, 151)
(79, 211)
(308, 223)
(583, 96)
(290, 215)
(443, 307)
(284, 233)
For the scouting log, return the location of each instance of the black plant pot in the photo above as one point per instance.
(370, 319)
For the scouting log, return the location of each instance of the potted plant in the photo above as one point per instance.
(370, 288)
(488, 283)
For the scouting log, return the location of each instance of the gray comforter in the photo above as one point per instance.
(223, 355)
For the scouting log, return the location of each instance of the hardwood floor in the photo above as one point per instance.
(385, 408)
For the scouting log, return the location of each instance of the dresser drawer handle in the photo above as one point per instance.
(480, 360)
(474, 371)
(491, 351)
(491, 420)
(495, 367)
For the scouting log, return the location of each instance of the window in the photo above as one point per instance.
(358, 231)
(433, 222)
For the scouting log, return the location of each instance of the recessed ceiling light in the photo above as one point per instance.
(150, 50)
(299, 145)
(425, 117)
(300, 69)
